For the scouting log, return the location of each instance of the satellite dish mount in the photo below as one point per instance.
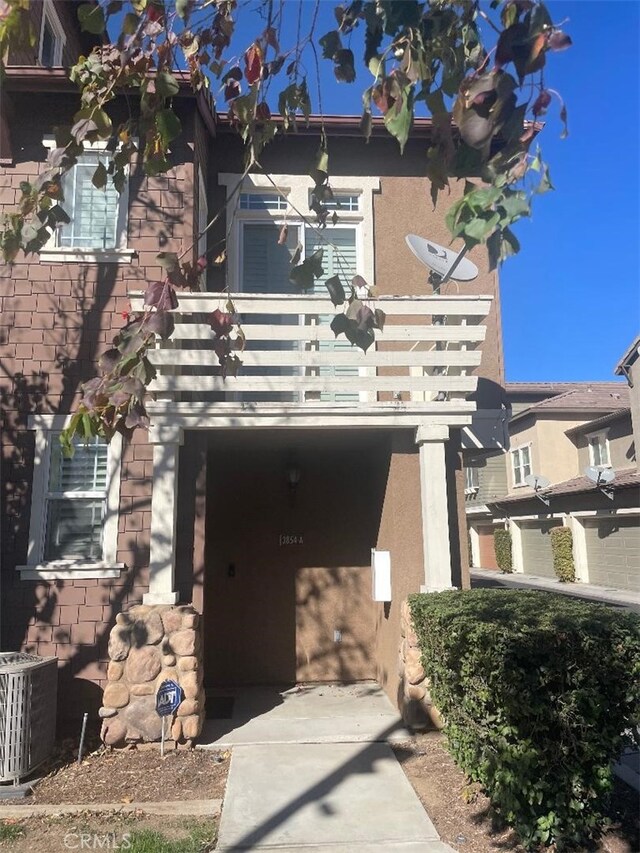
(538, 483)
(602, 477)
(443, 264)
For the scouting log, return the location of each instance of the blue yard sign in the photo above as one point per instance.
(168, 698)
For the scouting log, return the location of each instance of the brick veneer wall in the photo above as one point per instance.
(55, 321)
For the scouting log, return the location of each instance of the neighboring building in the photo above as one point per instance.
(556, 433)
(257, 499)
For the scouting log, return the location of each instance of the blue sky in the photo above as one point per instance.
(570, 299)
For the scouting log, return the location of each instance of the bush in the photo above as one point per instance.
(536, 690)
(502, 546)
(562, 548)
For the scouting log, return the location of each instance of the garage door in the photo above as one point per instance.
(537, 556)
(486, 548)
(613, 552)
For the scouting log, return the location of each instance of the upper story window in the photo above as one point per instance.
(262, 201)
(599, 450)
(52, 37)
(97, 229)
(471, 480)
(521, 464)
(258, 262)
(343, 201)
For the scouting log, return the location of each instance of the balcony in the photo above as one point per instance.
(294, 372)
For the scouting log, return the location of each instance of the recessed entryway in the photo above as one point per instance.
(291, 521)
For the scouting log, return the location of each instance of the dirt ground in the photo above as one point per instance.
(132, 776)
(462, 814)
(136, 833)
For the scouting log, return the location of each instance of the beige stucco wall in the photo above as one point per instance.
(634, 394)
(553, 454)
(622, 452)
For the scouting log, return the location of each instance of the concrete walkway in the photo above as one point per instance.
(314, 772)
(314, 714)
(602, 594)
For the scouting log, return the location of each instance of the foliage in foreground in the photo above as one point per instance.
(562, 550)
(479, 73)
(539, 693)
(502, 547)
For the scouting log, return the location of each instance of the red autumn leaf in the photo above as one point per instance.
(160, 295)
(263, 113)
(231, 90)
(253, 63)
(221, 323)
(541, 103)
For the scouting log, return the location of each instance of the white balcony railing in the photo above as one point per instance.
(292, 360)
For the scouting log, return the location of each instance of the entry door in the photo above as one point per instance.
(288, 580)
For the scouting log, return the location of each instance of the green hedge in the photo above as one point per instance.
(562, 549)
(536, 690)
(502, 546)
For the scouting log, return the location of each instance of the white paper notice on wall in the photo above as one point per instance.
(381, 575)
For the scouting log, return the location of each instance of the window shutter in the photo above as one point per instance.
(85, 471)
(265, 263)
(74, 529)
(341, 261)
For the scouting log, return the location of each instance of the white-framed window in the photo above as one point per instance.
(258, 263)
(521, 464)
(471, 480)
(599, 456)
(262, 201)
(259, 201)
(74, 508)
(97, 230)
(52, 37)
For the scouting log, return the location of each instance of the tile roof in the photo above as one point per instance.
(542, 387)
(599, 422)
(625, 479)
(609, 396)
(592, 397)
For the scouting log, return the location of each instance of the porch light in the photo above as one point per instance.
(293, 476)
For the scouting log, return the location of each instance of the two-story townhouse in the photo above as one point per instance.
(256, 499)
(560, 439)
(486, 471)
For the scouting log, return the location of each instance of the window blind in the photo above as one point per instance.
(93, 212)
(76, 499)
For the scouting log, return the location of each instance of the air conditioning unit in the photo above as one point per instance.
(28, 694)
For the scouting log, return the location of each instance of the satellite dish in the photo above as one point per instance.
(536, 481)
(600, 475)
(440, 260)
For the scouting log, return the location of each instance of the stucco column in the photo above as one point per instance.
(517, 554)
(435, 511)
(580, 556)
(164, 509)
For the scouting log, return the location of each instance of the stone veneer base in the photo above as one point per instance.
(148, 645)
(417, 708)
